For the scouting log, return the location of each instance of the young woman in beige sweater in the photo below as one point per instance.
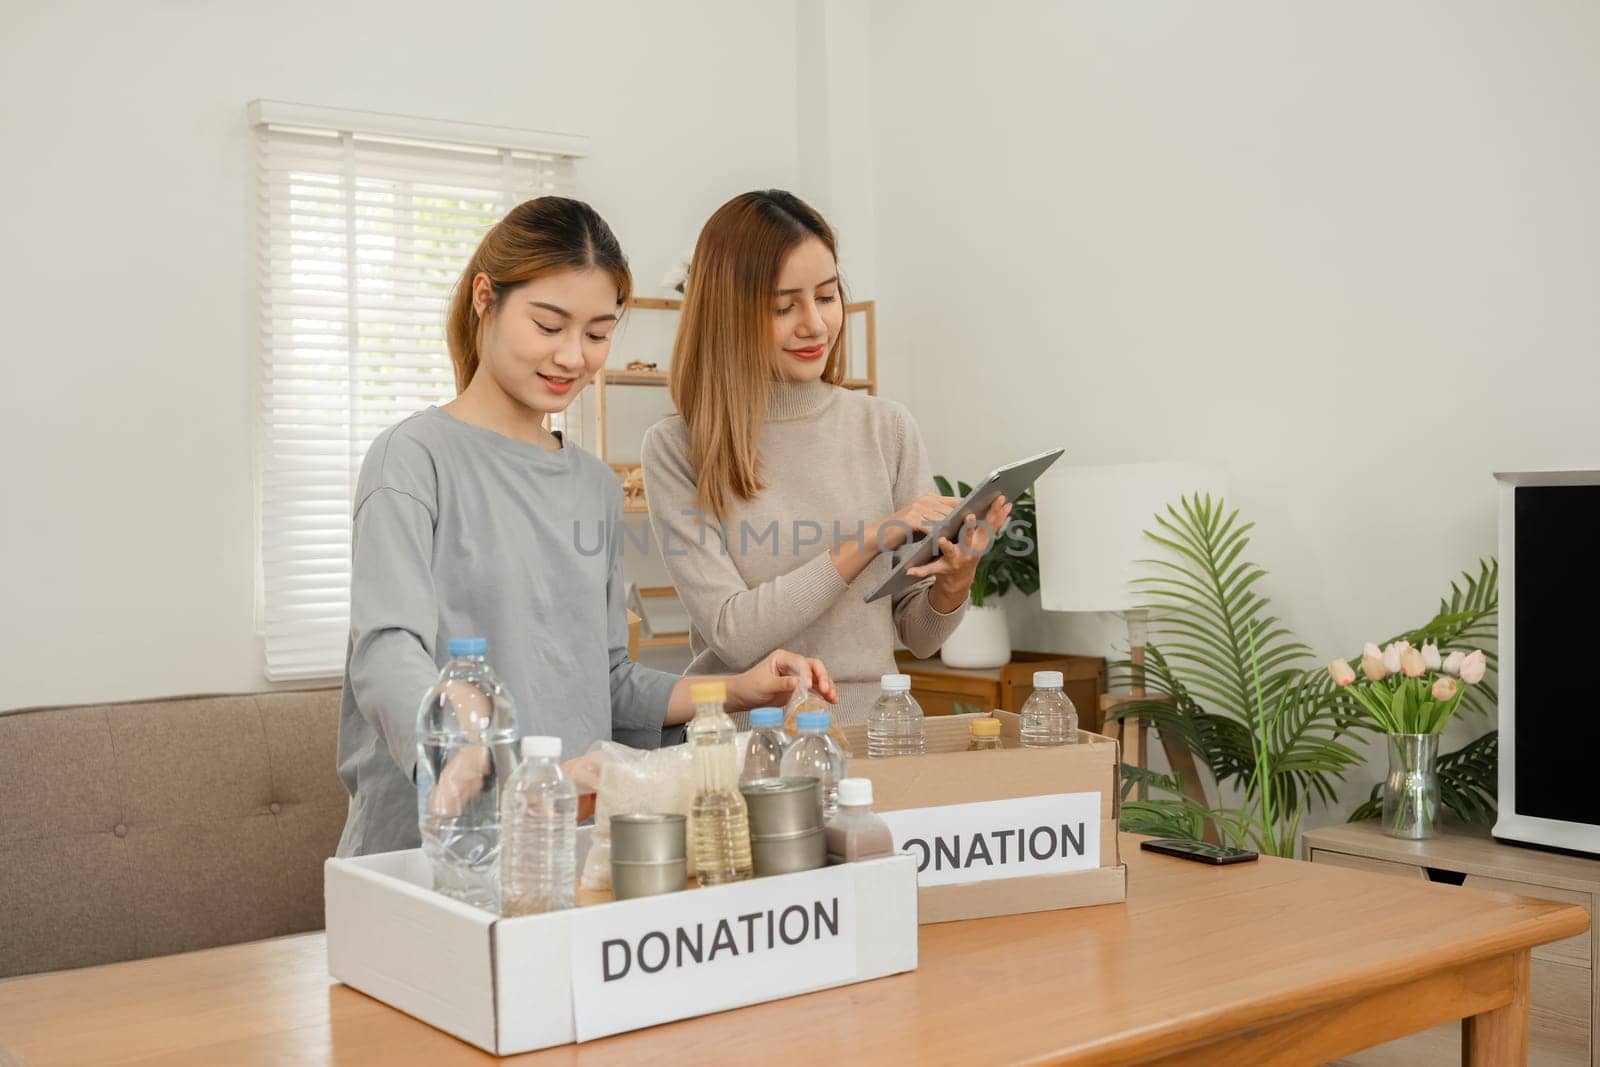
(776, 495)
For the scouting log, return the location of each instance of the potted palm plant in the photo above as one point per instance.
(983, 639)
(1273, 730)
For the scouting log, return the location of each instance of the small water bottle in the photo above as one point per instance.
(763, 756)
(539, 833)
(466, 749)
(1048, 717)
(812, 754)
(894, 724)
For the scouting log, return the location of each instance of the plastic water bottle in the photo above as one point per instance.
(812, 754)
(721, 820)
(764, 754)
(894, 725)
(1048, 717)
(466, 749)
(539, 833)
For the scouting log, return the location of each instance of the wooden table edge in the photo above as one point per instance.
(1203, 1030)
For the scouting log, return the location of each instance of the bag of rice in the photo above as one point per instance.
(642, 782)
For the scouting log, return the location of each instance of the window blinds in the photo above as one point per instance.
(361, 238)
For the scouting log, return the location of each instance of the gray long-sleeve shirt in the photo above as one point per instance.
(461, 532)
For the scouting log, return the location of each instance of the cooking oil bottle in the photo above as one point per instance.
(721, 823)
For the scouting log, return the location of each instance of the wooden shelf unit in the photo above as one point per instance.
(1564, 998)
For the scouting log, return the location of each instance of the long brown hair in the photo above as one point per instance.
(537, 237)
(722, 358)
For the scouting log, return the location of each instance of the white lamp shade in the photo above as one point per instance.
(1091, 528)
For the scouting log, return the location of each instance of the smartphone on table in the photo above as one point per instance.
(1199, 851)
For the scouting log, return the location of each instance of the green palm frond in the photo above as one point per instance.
(1228, 680)
(1220, 744)
(1309, 753)
(1204, 602)
(1178, 817)
(1133, 776)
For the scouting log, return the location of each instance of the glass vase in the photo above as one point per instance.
(1411, 792)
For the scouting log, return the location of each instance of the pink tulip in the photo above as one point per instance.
(1452, 662)
(1444, 689)
(1341, 673)
(1372, 664)
(1412, 663)
(1430, 655)
(1474, 667)
(1391, 656)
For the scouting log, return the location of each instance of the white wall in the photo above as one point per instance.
(1348, 249)
(125, 417)
(1352, 250)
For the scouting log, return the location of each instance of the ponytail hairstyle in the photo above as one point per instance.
(538, 237)
(723, 362)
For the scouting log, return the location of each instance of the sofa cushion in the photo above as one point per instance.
(137, 829)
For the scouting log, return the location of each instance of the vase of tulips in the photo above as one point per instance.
(1411, 693)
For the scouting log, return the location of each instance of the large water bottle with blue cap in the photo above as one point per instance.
(812, 754)
(466, 750)
(763, 756)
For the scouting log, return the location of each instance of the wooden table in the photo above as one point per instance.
(1268, 962)
(1564, 998)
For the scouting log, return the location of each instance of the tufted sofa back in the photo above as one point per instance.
(140, 829)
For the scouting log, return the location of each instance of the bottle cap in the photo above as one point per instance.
(855, 792)
(985, 727)
(708, 693)
(1047, 679)
(766, 716)
(896, 683)
(539, 747)
(812, 720)
(468, 646)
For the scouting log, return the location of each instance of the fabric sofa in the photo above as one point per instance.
(151, 827)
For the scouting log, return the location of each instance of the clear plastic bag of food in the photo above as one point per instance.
(803, 699)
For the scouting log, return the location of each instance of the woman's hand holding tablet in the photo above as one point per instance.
(953, 568)
(916, 518)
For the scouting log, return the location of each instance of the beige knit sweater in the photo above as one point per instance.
(834, 461)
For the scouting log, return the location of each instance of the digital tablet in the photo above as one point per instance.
(1010, 481)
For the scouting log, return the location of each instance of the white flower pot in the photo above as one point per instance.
(981, 641)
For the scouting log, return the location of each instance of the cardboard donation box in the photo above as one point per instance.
(518, 984)
(998, 833)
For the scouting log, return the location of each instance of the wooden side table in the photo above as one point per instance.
(939, 688)
(1564, 999)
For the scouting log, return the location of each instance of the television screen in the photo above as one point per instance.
(1557, 624)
